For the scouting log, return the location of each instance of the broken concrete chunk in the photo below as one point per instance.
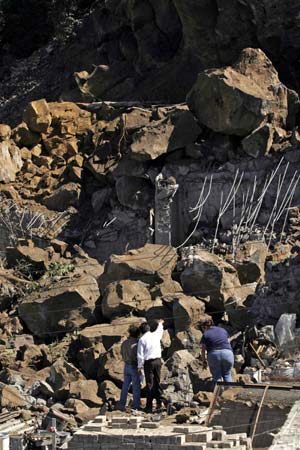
(10, 162)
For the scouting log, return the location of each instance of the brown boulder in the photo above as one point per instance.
(37, 116)
(10, 162)
(61, 307)
(209, 276)
(10, 397)
(237, 99)
(88, 359)
(87, 391)
(250, 261)
(108, 391)
(152, 263)
(108, 334)
(24, 137)
(125, 296)
(187, 312)
(62, 373)
(65, 196)
(5, 132)
(35, 258)
(69, 119)
(111, 365)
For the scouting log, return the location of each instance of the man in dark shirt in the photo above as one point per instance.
(219, 352)
(131, 374)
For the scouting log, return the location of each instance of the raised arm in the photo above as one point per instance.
(159, 330)
(140, 354)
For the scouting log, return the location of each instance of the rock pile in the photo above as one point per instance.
(99, 170)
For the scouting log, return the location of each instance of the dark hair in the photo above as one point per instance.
(153, 324)
(144, 327)
(207, 323)
(134, 331)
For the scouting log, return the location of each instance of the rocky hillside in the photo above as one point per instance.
(137, 50)
(136, 208)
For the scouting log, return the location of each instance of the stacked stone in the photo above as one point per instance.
(133, 433)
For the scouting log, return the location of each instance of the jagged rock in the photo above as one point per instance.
(125, 296)
(111, 365)
(235, 100)
(34, 260)
(69, 119)
(108, 334)
(88, 359)
(78, 406)
(37, 116)
(10, 162)
(59, 246)
(61, 307)
(5, 132)
(151, 264)
(87, 391)
(136, 118)
(136, 193)
(88, 266)
(250, 261)
(259, 142)
(187, 312)
(62, 373)
(108, 391)
(208, 276)
(280, 253)
(10, 397)
(65, 196)
(8, 291)
(188, 339)
(152, 141)
(24, 137)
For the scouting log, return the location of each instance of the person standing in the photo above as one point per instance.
(220, 356)
(149, 358)
(131, 374)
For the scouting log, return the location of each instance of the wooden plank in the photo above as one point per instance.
(252, 435)
(212, 405)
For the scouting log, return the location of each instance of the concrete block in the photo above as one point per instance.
(185, 430)
(100, 419)
(195, 446)
(218, 435)
(120, 419)
(150, 425)
(202, 436)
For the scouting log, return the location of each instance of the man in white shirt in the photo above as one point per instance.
(149, 358)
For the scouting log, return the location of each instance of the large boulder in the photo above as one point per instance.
(88, 359)
(187, 312)
(107, 334)
(124, 296)
(65, 196)
(10, 162)
(209, 276)
(30, 258)
(250, 261)
(151, 264)
(60, 307)
(87, 391)
(37, 116)
(111, 365)
(5, 132)
(237, 99)
(10, 397)
(69, 119)
(62, 373)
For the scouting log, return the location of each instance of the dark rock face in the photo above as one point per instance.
(154, 50)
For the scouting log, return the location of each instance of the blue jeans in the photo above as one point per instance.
(220, 363)
(131, 376)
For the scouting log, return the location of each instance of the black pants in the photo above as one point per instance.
(152, 369)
